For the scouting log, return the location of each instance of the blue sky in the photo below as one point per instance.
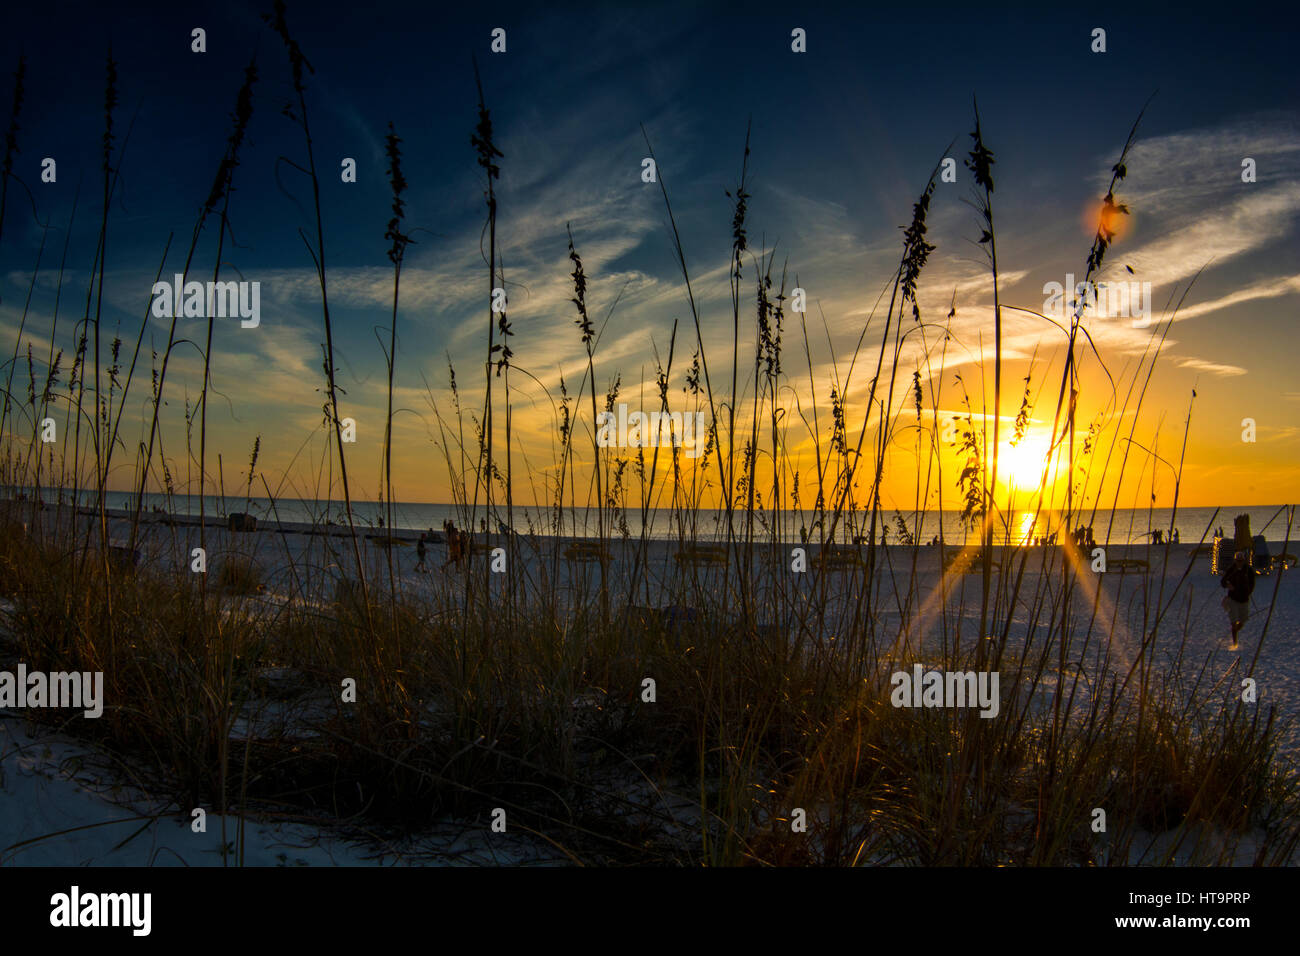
(843, 138)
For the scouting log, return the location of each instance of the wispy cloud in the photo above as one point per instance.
(1214, 368)
(1194, 239)
(1186, 189)
(1268, 289)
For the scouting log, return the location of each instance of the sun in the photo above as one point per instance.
(1021, 465)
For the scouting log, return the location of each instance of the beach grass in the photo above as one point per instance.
(767, 735)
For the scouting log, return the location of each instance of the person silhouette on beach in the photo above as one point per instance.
(455, 544)
(420, 552)
(1239, 579)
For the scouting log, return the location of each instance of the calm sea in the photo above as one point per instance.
(1123, 526)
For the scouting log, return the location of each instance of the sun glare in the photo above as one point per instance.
(1022, 464)
(1096, 216)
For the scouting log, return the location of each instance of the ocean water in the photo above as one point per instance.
(1122, 526)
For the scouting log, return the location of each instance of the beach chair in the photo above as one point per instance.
(839, 557)
(964, 562)
(242, 522)
(1124, 564)
(582, 552)
(702, 555)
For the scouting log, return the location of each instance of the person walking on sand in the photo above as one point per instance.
(420, 552)
(1240, 581)
(455, 544)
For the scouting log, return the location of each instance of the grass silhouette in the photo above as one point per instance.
(526, 690)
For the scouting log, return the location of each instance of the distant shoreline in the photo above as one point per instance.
(496, 537)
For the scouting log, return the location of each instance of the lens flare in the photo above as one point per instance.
(1096, 217)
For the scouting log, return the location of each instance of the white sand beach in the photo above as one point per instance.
(43, 775)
